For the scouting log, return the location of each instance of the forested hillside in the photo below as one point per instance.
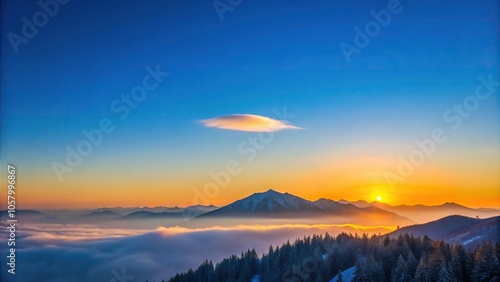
(320, 258)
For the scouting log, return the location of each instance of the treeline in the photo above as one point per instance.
(320, 258)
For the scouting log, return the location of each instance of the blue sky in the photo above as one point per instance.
(262, 56)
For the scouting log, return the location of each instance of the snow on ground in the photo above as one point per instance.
(347, 275)
(472, 240)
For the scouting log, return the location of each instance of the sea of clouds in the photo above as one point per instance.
(61, 252)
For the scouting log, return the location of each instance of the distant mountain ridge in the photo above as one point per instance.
(456, 229)
(275, 205)
(110, 214)
(331, 205)
(422, 213)
(268, 204)
(265, 203)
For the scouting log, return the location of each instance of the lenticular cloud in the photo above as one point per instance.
(247, 122)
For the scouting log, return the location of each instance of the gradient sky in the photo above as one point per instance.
(357, 117)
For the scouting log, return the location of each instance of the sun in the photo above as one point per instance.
(379, 198)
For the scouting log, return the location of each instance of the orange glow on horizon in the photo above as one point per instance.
(129, 196)
(348, 178)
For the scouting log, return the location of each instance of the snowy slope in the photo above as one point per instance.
(347, 275)
(269, 202)
(457, 229)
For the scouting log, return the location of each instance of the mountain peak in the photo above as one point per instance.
(323, 200)
(268, 202)
(272, 191)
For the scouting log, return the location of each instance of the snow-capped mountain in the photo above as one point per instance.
(273, 204)
(266, 203)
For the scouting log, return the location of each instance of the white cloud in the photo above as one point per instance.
(248, 122)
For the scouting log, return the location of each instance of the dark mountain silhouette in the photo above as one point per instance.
(457, 229)
(422, 213)
(272, 204)
(267, 203)
(98, 215)
(152, 215)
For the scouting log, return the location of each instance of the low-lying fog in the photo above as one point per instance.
(88, 252)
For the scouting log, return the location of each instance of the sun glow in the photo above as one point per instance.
(379, 198)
